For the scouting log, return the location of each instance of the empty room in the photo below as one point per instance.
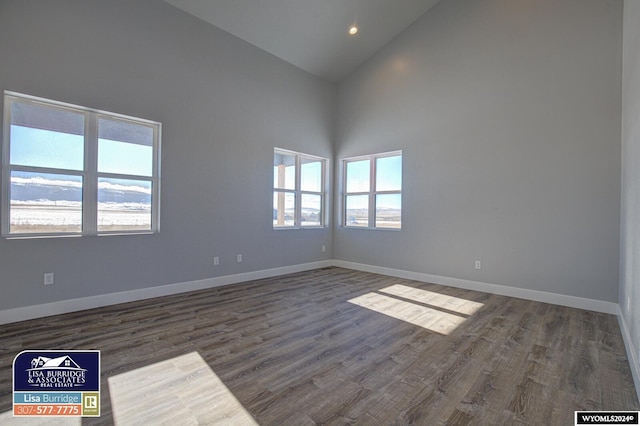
(306, 212)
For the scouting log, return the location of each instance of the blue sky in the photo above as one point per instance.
(45, 148)
(388, 178)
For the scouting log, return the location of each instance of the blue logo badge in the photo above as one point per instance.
(56, 383)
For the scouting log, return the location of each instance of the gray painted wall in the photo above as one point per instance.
(630, 227)
(224, 105)
(508, 114)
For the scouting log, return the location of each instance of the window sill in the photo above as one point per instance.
(49, 236)
(368, 228)
(289, 228)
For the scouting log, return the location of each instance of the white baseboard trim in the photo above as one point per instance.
(72, 305)
(538, 296)
(634, 363)
(521, 293)
(65, 306)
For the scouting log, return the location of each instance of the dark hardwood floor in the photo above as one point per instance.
(328, 347)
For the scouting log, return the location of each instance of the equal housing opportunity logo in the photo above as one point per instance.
(56, 383)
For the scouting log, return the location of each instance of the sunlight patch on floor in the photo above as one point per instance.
(450, 303)
(180, 391)
(8, 419)
(422, 316)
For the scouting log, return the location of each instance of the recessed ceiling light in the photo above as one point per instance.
(353, 30)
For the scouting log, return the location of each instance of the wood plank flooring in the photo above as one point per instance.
(329, 346)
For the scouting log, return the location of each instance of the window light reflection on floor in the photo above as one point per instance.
(181, 391)
(417, 314)
(7, 419)
(450, 303)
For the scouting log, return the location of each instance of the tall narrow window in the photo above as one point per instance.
(125, 175)
(45, 154)
(70, 170)
(298, 190)
(372, 191)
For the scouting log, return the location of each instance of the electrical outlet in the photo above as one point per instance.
(239, 258)
(48, 278)
(324, 248)
(628, 304)
(216, 260)
(478, 264)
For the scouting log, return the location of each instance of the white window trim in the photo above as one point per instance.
(89, 173)
(371, 193)
(298, 192)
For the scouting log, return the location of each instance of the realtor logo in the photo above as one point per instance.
(56, 383)
(90, 401)
(91, 404)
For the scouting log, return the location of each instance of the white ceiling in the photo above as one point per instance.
(312, 34)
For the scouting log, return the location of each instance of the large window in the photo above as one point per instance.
(298, 190)
(372, 191)
(70, 170)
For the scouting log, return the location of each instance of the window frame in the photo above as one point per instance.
(372, 193)
(89, 172)
(298, 192)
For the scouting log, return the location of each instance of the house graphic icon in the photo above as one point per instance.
(60, 363)
(57, 378)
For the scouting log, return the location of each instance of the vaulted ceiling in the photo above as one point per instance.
(312, 34)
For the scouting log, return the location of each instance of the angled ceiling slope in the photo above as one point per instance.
(312, 34)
